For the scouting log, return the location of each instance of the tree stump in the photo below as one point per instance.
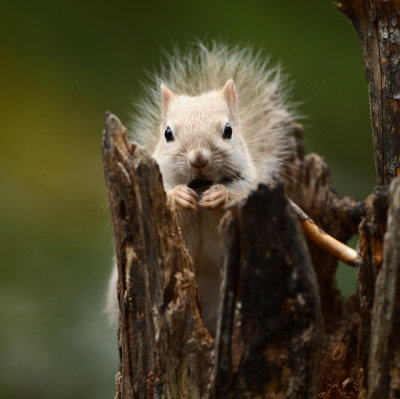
(280, 304)
(164, 348)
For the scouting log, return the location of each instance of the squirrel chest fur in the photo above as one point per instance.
(200, 231)
(217, 125)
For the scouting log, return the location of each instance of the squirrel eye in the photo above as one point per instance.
(227, 131)
(168, 134)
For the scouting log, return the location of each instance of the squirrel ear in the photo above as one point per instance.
(166, 96)
(229, 92)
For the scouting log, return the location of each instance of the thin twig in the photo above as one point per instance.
(322, 239)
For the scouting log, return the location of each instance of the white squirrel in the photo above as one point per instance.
(217, 123)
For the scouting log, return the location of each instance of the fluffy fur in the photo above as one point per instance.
(263, 109)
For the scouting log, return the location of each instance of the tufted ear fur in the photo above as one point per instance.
(229, 93)
(166, 97)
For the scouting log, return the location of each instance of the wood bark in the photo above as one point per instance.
(270, 331)
(164, 349)
(377, 24)
(371, 232)
(384, 360)
(310, 185)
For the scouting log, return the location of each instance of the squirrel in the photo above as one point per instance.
(217, 122)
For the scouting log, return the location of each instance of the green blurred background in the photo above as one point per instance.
(63, 64)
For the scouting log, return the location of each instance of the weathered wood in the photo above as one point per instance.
(377, 24)
(340, 365)
(164, 349)
(309, 184)
(371, 232)
(270, 332)
(384, 361)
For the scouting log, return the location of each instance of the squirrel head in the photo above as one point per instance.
(201, 139)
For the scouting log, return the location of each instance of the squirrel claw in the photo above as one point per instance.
(215, 197)
(182, 198)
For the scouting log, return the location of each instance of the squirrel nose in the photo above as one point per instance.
(199, 158)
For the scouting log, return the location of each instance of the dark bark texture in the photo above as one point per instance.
(270, 332)
(384, 360)
(310, 185)
(165, 350)
(284, 331)
(377, 24)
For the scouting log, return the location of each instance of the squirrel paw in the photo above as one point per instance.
(215, 197)
(182, 197)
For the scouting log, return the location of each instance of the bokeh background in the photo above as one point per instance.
(62, 65)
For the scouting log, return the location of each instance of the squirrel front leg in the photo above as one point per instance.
(217, 196)
(182, 198)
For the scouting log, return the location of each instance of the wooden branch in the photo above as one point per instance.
(377, 24)
(270, 332)
(322, 239)
(165, 351)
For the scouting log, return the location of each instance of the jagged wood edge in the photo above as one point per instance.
(164, 349)
(270, 328)
(309, 184)
(384, 359)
